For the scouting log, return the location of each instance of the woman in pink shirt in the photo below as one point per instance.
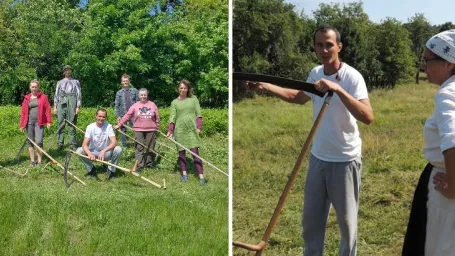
(146, 124)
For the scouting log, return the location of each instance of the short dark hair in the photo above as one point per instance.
(325, 29)
(102, 110)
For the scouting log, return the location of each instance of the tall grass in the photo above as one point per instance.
(267, 137)
(124, 216)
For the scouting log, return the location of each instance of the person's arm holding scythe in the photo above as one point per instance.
(286, 94)
(360, 109)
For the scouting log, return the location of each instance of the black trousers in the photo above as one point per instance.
(414, 241)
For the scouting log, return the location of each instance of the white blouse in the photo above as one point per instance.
(439, 129)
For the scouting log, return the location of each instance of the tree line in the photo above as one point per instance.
(269, 37)
(157, 43)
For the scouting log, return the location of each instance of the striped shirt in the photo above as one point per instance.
(66, 86)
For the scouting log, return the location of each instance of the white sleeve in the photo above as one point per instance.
(88, 132)
(110, 131)
(311, 79)
(445, 117)
(358, 87)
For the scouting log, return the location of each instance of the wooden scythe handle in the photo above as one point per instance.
(289, 184)
(191, 152)
(145, 147)
(121, 168)
(54, 161)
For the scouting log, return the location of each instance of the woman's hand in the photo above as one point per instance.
(22, 129)
(48, 126)
(198, 131)
(169, 135)
(116, 127)
(441, 184)
(55, 110)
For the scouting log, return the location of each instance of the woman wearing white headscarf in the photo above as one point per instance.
(431, 227)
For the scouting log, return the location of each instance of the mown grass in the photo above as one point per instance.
(124, 216)
(267, 137)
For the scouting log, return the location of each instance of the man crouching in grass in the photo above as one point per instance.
(100, 142)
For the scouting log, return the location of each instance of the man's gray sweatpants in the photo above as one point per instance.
(336, 183)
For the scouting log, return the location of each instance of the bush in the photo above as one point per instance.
(215, 121)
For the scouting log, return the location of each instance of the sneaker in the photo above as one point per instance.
(91, 173)
(203, 181)
(184, 178)
(59, 147)
(32, 164)
(110, 175)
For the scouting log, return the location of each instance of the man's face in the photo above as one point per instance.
(67, 72)
(326, 46)
(100, 118)
(125, 82)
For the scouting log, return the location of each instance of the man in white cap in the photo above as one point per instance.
(431, 227)
(67, 104)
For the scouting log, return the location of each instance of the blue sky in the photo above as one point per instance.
(437, 11)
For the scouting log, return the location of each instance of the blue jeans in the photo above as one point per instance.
(123, 129)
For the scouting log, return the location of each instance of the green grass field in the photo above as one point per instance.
(124, 216)
(267, 137)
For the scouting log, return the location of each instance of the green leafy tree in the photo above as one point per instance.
(420, 31)
(395, 53)
(41, 33)
(157, 50)
(270, 38)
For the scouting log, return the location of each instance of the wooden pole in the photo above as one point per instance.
(145, 147)
(73, 125)
(13, 172)
(54, 161)
(133, 172)
(191, 152)
(162, 144)
(298, 165)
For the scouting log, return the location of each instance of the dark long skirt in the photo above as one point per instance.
(414, 241)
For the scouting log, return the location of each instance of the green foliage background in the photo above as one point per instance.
(106, 38)
(269, 37)
(215, 121)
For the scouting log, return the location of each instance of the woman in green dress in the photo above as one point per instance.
(185, 123)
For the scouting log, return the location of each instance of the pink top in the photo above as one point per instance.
(145, 117)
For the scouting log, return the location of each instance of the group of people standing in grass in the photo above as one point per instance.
(131, 106)
(335, 166)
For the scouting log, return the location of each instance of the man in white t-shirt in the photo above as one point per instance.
(100, 142)
(335, 163)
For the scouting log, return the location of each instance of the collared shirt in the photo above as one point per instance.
(67, 86)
